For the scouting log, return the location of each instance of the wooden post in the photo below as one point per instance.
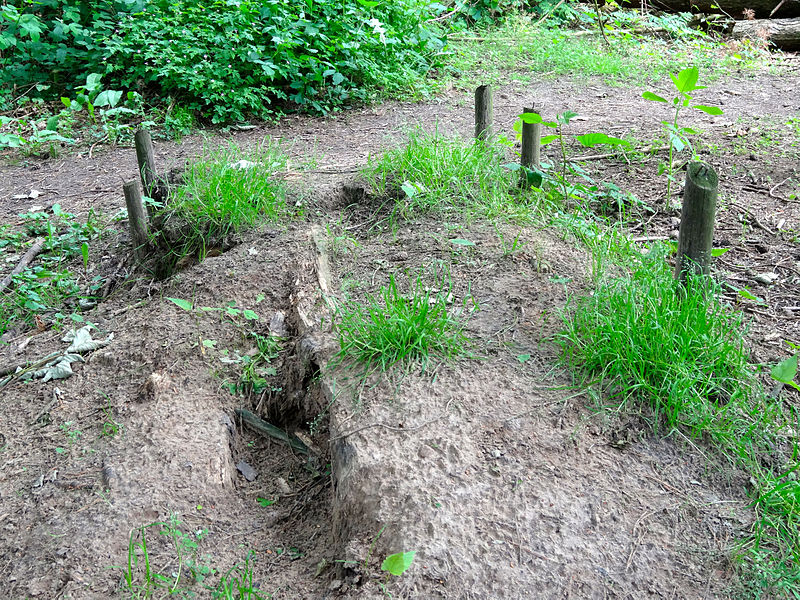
(484, 113)
(137, 216)
(531, 147)
(145, 156)
(697, 221)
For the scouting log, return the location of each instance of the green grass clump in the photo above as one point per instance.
(650, 341)
(433, 173)
(392, 327)
(224, 192)
(645, 341)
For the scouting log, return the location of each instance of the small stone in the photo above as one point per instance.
(496, 453)
(766, 278)
(335, 585)
(277, 325)
(676, 222)
(246, 470)
(282, 486)
(674, 234)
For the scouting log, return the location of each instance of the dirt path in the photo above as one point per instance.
(493, 470)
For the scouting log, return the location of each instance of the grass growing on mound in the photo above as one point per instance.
(224, 192)
(645, 341)
(433, 173)
(393, 327)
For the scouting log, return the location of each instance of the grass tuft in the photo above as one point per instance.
(224, 192)
(434, 173)
(392, 327)
(645, 341)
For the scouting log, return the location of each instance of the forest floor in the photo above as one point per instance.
(501, 476)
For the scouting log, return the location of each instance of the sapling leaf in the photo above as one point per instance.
(590, 140)
(546, 139)
(181, 303)
(398, 563)
(785, 371)
(250, 315)
(686, 80)
(715, 252)
(566, 117)
(677, 142)
(653, 97)
(534, 178)
(711, 110)
(530, 118)
(410, 189)
(462, 242)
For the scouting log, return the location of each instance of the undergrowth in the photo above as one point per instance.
(59, 283)
(645, 341)
(519, 46)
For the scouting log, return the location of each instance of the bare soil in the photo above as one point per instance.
(497, 472)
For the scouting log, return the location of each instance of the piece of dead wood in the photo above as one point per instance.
(270, 430)
(775, 187)
(28, 257)
(753, 216)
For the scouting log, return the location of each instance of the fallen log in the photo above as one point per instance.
(783, 33)
(733, 8)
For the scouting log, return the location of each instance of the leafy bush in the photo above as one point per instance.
(56, 42)
(223, 59)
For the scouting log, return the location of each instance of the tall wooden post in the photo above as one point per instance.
(145, 156)
(531, 147)
(484, 113)
(697, 221)
(137, 216)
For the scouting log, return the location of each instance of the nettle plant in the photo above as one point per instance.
(677, 136)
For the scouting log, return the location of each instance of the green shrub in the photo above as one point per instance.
(224, 59)
(56, 42)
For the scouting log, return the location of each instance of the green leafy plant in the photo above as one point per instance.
(785, 371)
(685, 82)
(50, 285)
(398, 563)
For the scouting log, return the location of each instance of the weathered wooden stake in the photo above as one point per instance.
(531, 146)
(137, 216)
(697, 221)
(484, 112)
(145, 156)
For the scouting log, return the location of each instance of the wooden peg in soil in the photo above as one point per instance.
(697, 221)
(484, 112)
(145, 156)
(531, 146)
(137, 216)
